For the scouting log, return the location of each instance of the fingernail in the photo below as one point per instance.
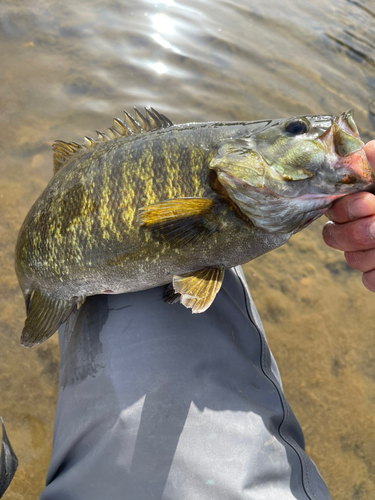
(372, 230)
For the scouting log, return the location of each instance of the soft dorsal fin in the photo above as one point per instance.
(65, 151)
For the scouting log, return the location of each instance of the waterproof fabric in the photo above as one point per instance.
(156, 403)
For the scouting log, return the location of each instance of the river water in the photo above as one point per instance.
(67, 68)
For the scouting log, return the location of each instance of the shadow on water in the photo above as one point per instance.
(67, 69)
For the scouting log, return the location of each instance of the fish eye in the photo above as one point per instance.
(296, 127)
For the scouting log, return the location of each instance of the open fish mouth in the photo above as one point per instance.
(342, 140)
(343, 134)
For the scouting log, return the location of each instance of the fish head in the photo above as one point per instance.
(287, 174)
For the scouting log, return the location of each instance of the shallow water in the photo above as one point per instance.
(67, 70)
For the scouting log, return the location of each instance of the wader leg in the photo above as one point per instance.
(156, 403)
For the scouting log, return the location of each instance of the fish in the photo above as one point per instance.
(151, 203)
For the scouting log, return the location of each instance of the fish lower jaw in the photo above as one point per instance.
(357, 169)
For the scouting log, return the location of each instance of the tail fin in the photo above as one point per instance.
(45, 314)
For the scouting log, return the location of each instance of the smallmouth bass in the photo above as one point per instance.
(151, 203)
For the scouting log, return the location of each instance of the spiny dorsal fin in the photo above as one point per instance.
(65, 151)
(132, 125)
(143, 122)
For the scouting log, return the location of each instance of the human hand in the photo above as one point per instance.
(352, 229)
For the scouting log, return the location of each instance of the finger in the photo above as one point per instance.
(362, 260)
(352, 236)
(370, 153)
(352, 207)
(368, 280)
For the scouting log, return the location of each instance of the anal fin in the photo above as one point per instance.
(181, 220)
(198, 290)
(170, 296)
(46, 313)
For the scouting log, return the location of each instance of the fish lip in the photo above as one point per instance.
(342, 137)
(357, 167)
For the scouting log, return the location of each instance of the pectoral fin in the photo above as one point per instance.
(46, 313)
(198, 290)
(180, 221)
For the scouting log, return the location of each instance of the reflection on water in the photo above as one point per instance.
(66, 70)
